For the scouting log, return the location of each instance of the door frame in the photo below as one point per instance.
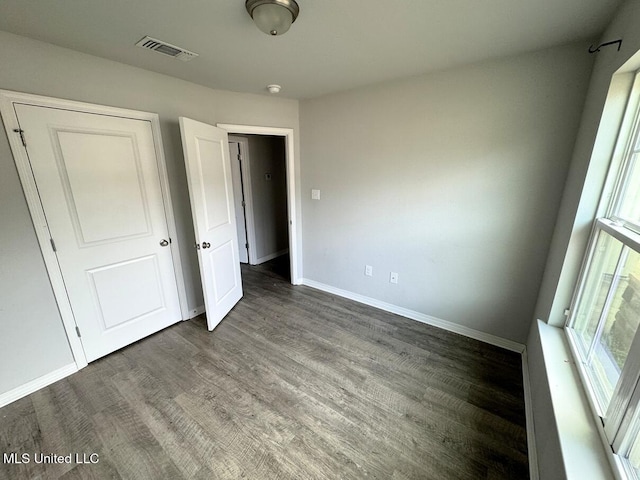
(245, 171)
(7, 101)
(293, 197)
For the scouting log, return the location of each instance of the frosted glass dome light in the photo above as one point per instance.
(273, 17)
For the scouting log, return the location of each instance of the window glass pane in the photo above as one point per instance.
(628, 204)
(620, 322)
(596, 287)
(606, 315)
(624, 316)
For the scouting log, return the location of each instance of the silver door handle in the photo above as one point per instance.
(206, 244)
(164, 243)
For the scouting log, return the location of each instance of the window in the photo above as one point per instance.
(604, 320)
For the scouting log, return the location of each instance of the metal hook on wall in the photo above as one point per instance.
(592, 50)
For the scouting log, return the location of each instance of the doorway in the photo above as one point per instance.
(258, 167)
(211, 191)
(287, 186)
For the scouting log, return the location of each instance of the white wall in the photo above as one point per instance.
(29, 321)
(451, 179)
(267, 155)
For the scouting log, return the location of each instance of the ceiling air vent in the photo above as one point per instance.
(166, 48)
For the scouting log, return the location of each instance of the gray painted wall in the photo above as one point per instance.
(32, 339)
(590, 160)
(451, 179)
(267, 155)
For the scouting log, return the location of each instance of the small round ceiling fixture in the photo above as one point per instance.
(274, 88)
(273, 17)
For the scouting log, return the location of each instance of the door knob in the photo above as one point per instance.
(206, 244)
(164, 243)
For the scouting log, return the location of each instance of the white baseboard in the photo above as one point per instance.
(532, 451)
(36, 384)
(271, 256)
(194, 312)
(420, 317)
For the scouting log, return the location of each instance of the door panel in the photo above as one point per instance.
(206, 152)
(222, 261)
(238, 198)
(213, 187)
(138, 279)
(100, 213)
(98, 180)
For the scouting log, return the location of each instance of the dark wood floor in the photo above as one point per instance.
(294, 384)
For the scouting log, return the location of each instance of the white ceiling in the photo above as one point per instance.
(334, 45)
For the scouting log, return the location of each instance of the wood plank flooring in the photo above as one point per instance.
(294, 384)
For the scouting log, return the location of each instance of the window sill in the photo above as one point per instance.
(583, 451)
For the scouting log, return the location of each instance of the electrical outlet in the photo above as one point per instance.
(315, 194)
(393, 278)
(368, 270)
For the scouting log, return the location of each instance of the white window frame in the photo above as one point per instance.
(621, 420)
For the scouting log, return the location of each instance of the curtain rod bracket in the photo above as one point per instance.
(592, 50)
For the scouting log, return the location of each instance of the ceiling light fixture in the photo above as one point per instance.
(273, 17)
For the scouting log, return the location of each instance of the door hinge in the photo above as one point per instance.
(246, 245)
(21, 132)
(78, 332)
(53, 245)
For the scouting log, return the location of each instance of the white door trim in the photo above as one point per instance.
(245, 168)
(7, 101)
(293, 199)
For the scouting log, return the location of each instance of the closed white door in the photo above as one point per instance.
(206, 155)
(98, 180)
(239, 202)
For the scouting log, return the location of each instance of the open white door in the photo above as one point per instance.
(206, 156)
